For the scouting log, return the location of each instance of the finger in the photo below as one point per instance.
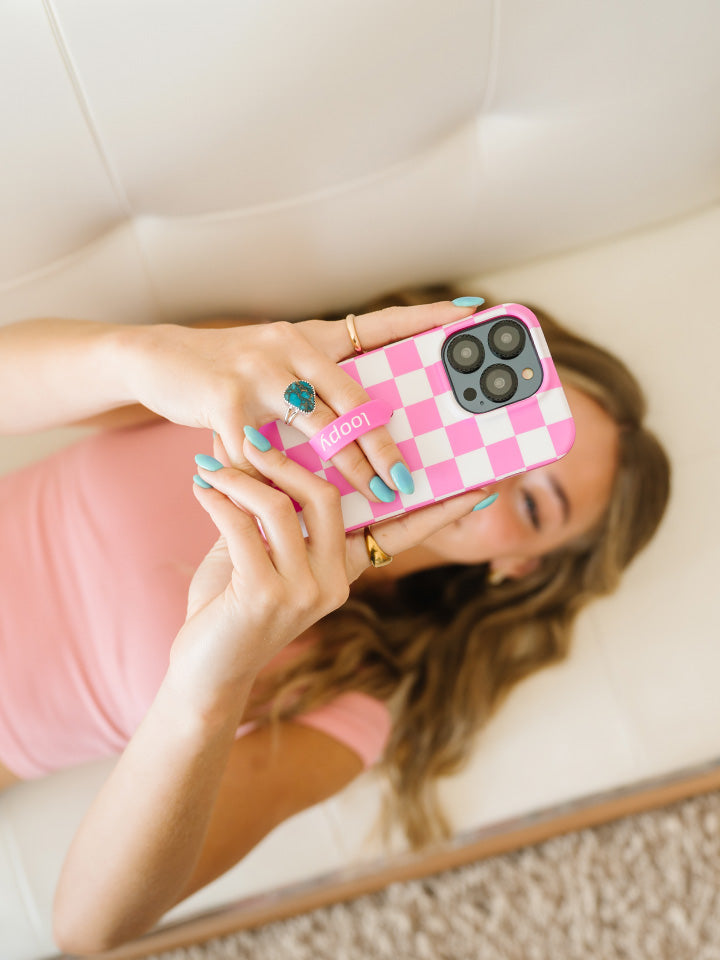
(228, 445)
(273, 509)
(382, 326)
(215, 567)
(221, 454)
(340, 394)
(373, 464)
(239, 529)
(220, 451)
(412, 528)
(375, 454)
(318, 499)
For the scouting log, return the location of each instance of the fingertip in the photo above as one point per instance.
(203, 492)
(487, 501)
(444, 312)
(252, 455)
(402, 478)
(381, 490)
(256, 439)
(468, 301)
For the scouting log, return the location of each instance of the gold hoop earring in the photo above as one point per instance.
(495, 577)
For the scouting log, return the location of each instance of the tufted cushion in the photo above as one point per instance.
(164, 162)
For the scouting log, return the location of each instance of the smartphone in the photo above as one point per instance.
(472, 402)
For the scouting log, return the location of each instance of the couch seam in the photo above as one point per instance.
(493, 60)
(237, 213)
(83, 102)
(84, 105)
(59, 263)
(313, 196)
(22, 882)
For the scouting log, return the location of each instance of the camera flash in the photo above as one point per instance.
(527, 373)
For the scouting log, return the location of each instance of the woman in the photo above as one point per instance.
(475, 601)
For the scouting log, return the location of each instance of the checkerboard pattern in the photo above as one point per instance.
(447, 449)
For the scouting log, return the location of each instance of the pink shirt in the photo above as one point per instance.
(99, 544)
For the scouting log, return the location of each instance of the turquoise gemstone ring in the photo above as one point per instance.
(300, 398)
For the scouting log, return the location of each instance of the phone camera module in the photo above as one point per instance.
(491, 363)
(499, 382)
(506, 339)
(465, 353)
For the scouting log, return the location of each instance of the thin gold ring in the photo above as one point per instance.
(350, 324)
(376, 554)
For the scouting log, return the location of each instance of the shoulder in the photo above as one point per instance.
(360, 722)
(272, 773)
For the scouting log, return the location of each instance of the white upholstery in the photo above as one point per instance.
(163, 161)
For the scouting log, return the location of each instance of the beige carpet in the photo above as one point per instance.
(643, 888)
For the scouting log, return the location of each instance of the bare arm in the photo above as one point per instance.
(155, 833)
(135, 414)
(191, 822)
(134, 854)
(142, 846)
(136, 848)
(55, 372)
(291, 767)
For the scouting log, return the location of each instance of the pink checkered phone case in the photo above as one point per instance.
(449, 449)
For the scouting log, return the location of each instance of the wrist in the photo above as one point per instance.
(132, 353)
(123, 346)
(200, 711)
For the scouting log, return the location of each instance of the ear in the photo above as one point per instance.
(513, 568)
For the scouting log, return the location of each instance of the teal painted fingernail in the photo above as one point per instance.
(257, 439)
(381, 490)
(469, 301)
(209, 463)
(402, 478)
(486, 502)
(202, 483)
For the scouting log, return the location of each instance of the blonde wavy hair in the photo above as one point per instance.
(447, 646)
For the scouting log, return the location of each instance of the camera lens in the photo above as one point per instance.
(507, 339)
(498, 382)
(465, 353)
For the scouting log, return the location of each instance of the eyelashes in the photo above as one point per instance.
(531, 508)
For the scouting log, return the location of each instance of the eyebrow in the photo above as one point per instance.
(562, 497)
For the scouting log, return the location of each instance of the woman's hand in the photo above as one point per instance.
(251, 595)
(225, 378)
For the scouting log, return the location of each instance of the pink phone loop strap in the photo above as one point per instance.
(351, 425)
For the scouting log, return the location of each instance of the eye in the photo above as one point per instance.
(532, 509)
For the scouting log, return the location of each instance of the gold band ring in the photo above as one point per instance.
(376, 554)
(350, 324)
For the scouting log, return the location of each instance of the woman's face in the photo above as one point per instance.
(545, 508)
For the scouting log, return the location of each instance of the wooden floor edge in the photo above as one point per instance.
(491, 841)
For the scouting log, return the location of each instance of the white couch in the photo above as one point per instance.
(173, 160)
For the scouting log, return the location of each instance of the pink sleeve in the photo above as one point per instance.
(355, 719)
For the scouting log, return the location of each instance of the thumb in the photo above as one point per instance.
(211, 577)
(410, 529)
